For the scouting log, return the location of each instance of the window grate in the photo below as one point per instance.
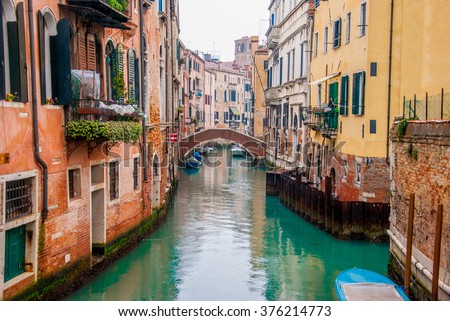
(18, 198)
(113, 180)
(71, 184)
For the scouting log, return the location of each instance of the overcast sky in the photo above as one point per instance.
(208, 25)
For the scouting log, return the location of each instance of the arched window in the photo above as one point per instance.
(54, 55)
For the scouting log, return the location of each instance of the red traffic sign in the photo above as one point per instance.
(173, 138)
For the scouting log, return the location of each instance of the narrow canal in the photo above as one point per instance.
(224, 239)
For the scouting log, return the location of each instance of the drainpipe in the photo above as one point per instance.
(37, 157)
(141, 85)
(389, 81)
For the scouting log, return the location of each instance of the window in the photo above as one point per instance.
(18, 201)
(113, 180)
(216, 116)
(373, 126)
(316, 43)
(133, 76)
(348, 26)
(358, 173)
(13, 72)
(285, 115)
(281, 71)
(160, 5)
(74, 181)
(225, 95)
(54, 58)
(293, 64)
(225, 116)
(358, 93)
(301, 58)
(288, 66)
(337, 33)
(373, 69)
(325, 40)
(343, 110)
(363, 20)
(136, 161)
(344, 169)
(319, 95)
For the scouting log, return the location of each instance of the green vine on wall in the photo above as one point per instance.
(402, 126)
(115, 131)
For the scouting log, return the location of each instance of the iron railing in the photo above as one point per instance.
(324, 120)
(428, 107)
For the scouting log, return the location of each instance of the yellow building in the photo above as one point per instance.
(349, 85)
(259, 82)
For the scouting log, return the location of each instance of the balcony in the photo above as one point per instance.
(273, 35)
(272, 94)
(324, 120)
(115, 11)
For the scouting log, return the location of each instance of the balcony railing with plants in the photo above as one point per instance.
(116, 9)
(323, 119)
(90, 119)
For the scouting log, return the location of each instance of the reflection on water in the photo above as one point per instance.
(225, 240)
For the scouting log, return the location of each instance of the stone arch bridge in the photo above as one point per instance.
(255, 147)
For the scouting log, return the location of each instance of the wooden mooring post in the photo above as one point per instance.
(409, 241)
(437, 254)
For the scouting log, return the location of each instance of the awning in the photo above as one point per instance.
(318, 81)
(235, 111)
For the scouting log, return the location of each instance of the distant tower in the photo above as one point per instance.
(243, 51)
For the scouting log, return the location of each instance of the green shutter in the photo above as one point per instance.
(136, 79)
(281, 71)
(14, 252)
(13, 53)
(362, 84)
(60, 60)
(2, 57)
(344, 96)
(131, 75)
(22, 52)
(42, 74)
(355, 94)
(333, 90)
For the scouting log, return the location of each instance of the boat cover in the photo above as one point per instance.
(371, 292)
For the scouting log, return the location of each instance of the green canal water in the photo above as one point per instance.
(224, 239)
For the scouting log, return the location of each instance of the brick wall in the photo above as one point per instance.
(421, 165)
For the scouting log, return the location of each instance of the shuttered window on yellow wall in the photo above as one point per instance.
(91, 50)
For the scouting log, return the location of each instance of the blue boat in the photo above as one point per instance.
(192, 162)
(364, 285)
(198, 156)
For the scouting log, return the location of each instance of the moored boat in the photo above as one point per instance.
(237, 151)
(192, 162)
(364, 285)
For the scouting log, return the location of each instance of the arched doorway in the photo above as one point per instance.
(156, 177)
